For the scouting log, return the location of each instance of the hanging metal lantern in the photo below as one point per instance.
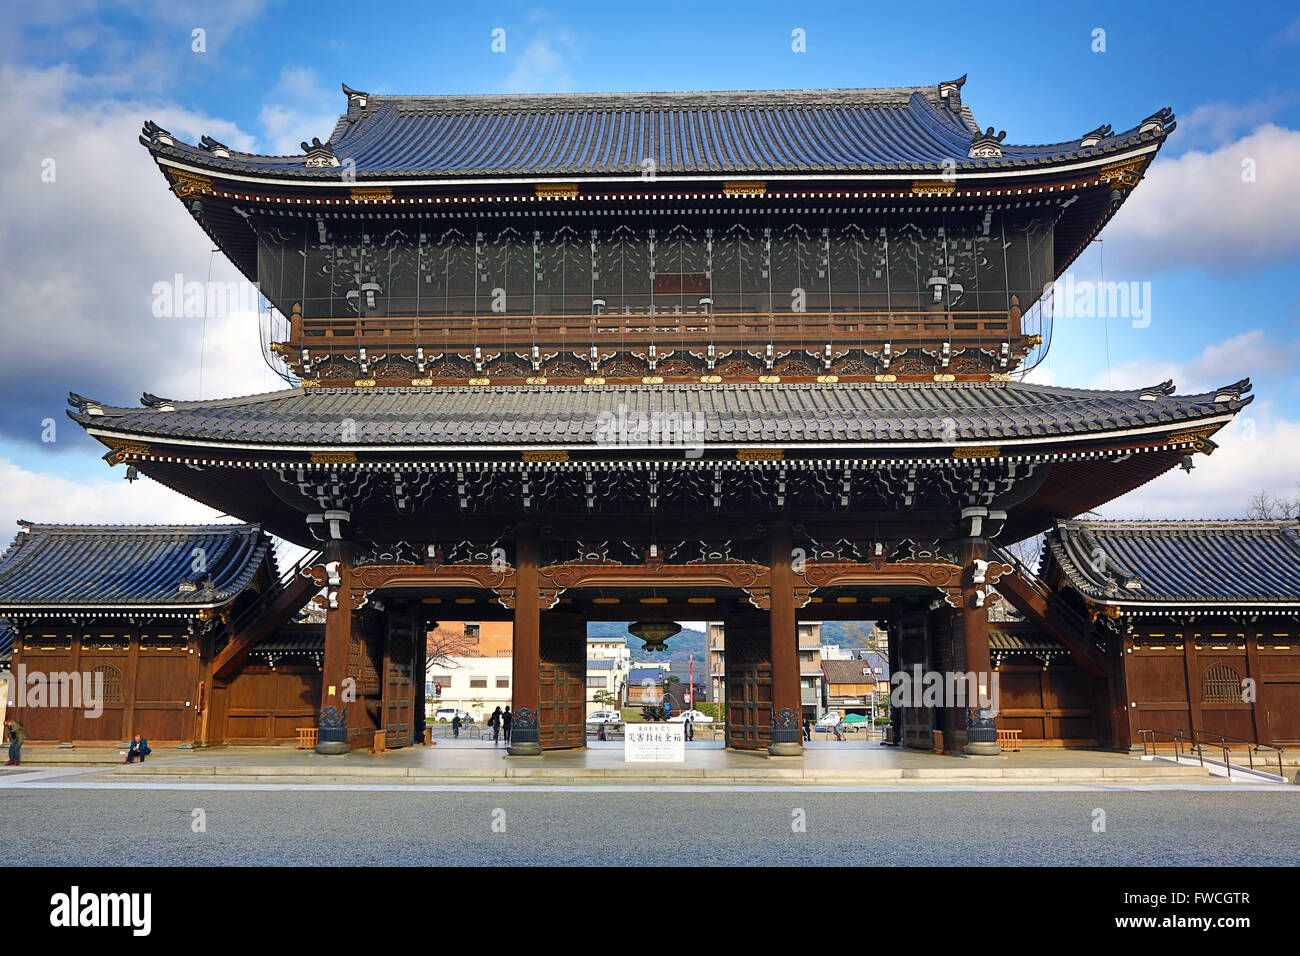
(654, 633)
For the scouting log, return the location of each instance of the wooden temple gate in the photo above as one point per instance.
(550, 605)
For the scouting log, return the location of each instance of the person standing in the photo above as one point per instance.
(16, 734)
(495, 723)
(807, 729)
(455, 725)
(506, 720)
(840, 729)
(690, 728)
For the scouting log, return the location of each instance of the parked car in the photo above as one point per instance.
(695, 715)
(605, 717)
(827, 721)
(444, 715)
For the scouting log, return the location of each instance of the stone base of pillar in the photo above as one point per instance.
(332, 732)
(524, 738)
(785, 750)
(981, 734)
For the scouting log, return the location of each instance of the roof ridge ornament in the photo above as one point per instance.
(1160, 121)
(214, 147)
(987, 145)
(357, 99)
(1233, 392)
(157, 135)
(950, 92)
(1153, 392)
(1095, 137)
(319, 155)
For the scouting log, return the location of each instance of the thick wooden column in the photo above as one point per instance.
(787, 707)
(1192, 671)
(332, 733)
(525, 680)
(981, 725)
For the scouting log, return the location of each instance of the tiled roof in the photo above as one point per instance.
(594, 134)
(645, 673)
(1021, 639)
(730, 414)
(293, 642)
(846, 672)
(599, 664)
(7, 635)
(124, 567)
(1131, 563)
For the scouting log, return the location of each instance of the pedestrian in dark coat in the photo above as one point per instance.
(495, 723)
(506, 720)
(455, 725)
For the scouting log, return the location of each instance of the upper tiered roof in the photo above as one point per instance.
(922, 129)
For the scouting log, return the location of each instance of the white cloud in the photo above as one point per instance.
(543, 66)
(1251, 353)
(297, 109)
(1196, 210)
(1258, 451)
(36, 496)
(1214, 124)
(82, 254)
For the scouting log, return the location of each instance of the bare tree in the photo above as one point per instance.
(443, 643)
(1270, 507)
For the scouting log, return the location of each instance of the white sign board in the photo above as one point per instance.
(654, 743)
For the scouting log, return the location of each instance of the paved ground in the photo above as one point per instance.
(120, 825)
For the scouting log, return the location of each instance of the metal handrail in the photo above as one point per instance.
(1252, 746)
(1150, 744)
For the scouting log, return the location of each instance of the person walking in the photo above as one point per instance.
(690, 728)
(139, 748)
(807, 729)
(455, 725)
(495, 723)
(840, 730)
(506, 720)
(15, 733)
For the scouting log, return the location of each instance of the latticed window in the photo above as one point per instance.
(1222, 685)
(112, 678)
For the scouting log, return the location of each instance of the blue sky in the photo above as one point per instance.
(1221, 255)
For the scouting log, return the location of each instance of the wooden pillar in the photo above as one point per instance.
(68, 717)
(787, 706)
(129, 684)
(981, 725)
(525, 675)
(1192, 669)
(1259, 713)
(332, 728)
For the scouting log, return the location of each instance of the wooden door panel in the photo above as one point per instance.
(562, 681)
(399, 690)
(748, 666)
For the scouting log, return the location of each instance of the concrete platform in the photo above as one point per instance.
(706, 763)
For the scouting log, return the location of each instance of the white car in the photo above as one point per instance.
(605, 717)
(828, 721)
(444, 715)
(695, 715)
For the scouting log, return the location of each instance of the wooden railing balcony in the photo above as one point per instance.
(675, 329)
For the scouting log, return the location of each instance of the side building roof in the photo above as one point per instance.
(55, 568)
(1156, 566)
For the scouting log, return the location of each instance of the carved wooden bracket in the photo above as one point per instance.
(753, 579)
(499, 579)
(880, 573)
